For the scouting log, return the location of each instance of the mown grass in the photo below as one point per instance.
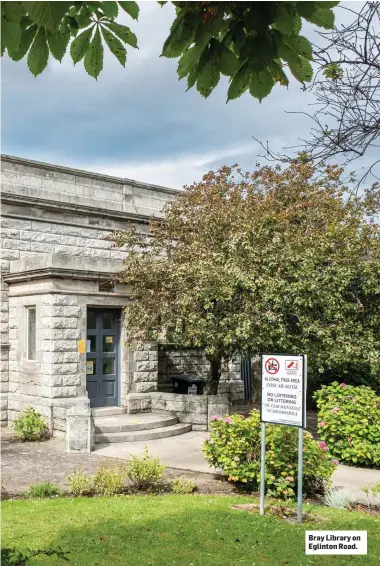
(180, 530)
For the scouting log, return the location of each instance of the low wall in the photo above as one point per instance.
(194, 409)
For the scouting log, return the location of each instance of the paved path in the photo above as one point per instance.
(185, 452)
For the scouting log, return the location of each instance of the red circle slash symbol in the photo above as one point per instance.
(272, 365)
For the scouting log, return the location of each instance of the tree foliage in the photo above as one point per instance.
(249, 42)
(278, 260)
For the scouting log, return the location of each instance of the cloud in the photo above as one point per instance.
(140, 122)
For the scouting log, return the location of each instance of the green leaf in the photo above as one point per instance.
(58, 43)
(239, 83)
(39, 53)
(285, 17)
(192, 78)
(261, 84)
(93, 60)
(110, 9)
(324, 18)
(83, 20)
(132, 8)
(302, 70)
(188, 61)
(300, 45)
(208, 78)
(318, 13)
(12, 11)
(80, 45)
(123, 32)
(228, 62)
(10, 35)
(277, 72)
(115, 45)
(181, 35)
(47, 14)
(27, 36)
(288, 55)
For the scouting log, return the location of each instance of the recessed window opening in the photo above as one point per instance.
(31, 332)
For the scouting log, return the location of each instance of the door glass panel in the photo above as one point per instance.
(108, 343)
(108, 366)
(91, 320)
(108, 319)
(91, 367)
(92, 340)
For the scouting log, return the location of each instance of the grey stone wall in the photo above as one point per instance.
(174, 362)
(50, 210)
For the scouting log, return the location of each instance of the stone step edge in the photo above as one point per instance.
(163, 422)
(154, 434)
(108, 411)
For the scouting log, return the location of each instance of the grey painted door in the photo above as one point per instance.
(102, 361)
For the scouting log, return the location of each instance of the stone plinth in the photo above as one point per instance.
(80, 433)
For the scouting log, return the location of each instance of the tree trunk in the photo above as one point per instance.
(213, 376)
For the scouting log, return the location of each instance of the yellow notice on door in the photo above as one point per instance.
(82, 346)
(109, 339)
(90, 367)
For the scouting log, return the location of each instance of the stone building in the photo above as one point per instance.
(63, 335)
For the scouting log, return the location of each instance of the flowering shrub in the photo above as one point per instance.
(234, 447)
(349, 422)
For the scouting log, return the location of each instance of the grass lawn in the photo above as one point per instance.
(180, 530)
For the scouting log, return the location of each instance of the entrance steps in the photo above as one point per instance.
(121, 427)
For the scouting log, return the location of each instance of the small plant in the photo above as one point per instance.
(43, 490)
(349, 423)
(184, 485)
(109, 480)
(338, 499)
(371, 490)
(30, 425)
(146, 471)
(80, 483)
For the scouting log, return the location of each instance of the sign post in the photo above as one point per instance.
(283, 401)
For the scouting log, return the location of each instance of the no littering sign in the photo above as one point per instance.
(283, 390)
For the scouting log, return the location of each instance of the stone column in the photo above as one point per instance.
(80, 432)
(144, 368)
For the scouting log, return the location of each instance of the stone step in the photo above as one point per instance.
(131, 423)
(108, 411)
(154, 434)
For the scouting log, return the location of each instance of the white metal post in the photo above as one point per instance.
(262, 473)
(300, 466)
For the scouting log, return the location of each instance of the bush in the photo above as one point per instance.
(30, 425)
(109, 480)
(234, 447)
(80, 483)
(43, 490)
(146, 471)
(184, 485)
(349, 422)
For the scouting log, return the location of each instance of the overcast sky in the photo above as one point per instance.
(139, 122)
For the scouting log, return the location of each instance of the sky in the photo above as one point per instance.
(139, 122)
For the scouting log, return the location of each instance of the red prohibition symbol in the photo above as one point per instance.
(272, 365)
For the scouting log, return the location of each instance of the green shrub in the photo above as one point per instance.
(43, 490)
(349, 422)
(30, 425)
(184, 485)
(109, 480)
(234, 447)
(146, 471)
(80, 483)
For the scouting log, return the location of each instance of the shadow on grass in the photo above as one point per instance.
(13, 557)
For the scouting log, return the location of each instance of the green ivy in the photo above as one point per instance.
(349, 422)
(234, 447)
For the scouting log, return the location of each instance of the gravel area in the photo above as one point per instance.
(26, 463)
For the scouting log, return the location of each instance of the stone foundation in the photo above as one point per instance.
(194, 409)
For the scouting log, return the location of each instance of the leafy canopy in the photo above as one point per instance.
(249, 42)
(277, 260)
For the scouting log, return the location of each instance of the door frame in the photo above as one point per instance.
(99, 310)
